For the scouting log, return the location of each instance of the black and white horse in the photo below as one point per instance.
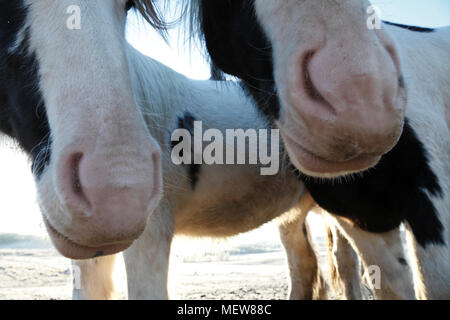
(349, 96)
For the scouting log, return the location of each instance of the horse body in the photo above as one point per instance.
(427, 111)
(224, 200)
(220, 106)
(411, 182)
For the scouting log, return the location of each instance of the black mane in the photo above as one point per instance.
(22, 113)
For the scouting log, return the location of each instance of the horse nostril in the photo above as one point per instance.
(70, 185)
(308, 85)
(401, 82)
(75, 175)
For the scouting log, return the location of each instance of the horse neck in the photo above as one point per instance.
(156, 90)
(424, 57)
(163, 95)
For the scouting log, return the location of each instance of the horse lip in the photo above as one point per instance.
(315, 165)
(73, 250)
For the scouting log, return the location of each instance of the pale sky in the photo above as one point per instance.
(19, 212)
(427, 13)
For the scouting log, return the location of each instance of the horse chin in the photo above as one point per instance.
(73, 250)
(312, 165)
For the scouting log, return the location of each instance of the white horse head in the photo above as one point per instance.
(67, 98)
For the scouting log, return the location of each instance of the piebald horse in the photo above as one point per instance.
(363, 109)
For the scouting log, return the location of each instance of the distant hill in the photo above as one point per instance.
(18, 241)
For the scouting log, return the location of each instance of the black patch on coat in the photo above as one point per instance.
(402, 261)
(129, 5)
(187, 122)
(392, 192)
(22, 111)
(238, 46)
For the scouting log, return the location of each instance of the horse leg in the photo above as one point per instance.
(381, 254)
(93, 279)
(147, 260)
(306, 281)
(344, 265)
(431, 269)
